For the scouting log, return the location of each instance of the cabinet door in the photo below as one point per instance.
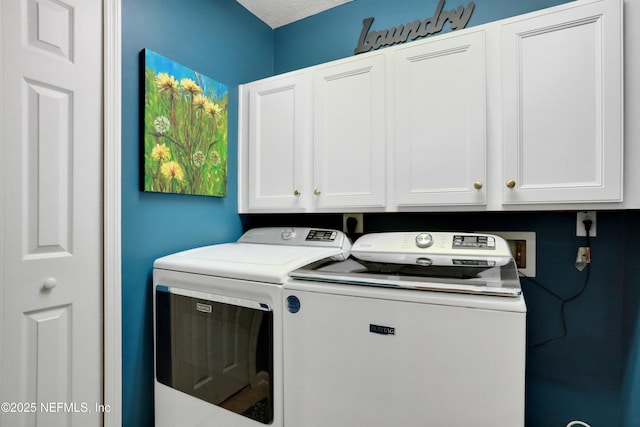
(278, 144)
(562, 105)
(349, 134)
(440, 122)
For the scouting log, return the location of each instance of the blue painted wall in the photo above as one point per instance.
(220, 39)
(334, 34)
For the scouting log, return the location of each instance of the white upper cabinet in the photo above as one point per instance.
(562, 105)
(278, 144)
(440, 122)
(349, 146)
(523, 113)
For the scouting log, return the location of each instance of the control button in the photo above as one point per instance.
(288, 234)
(425, 262)
(424, 240)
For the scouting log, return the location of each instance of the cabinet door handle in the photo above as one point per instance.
(511, 184)
(477, 185)
(316, 191)
(296, 193)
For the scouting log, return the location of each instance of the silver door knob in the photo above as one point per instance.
(50, 283)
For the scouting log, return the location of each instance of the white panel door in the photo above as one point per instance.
(51, 151)
(278, 143)
(349, 140)
(562, 105)
(440, 122)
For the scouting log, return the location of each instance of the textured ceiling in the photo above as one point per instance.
(276, 13)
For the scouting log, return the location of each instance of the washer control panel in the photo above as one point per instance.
(470, 241)
(433, 249)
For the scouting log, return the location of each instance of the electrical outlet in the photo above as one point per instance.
(582, 216)
(519, 252)
(359, 223)
(523, 249)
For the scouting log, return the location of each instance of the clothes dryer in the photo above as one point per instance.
(218, 326)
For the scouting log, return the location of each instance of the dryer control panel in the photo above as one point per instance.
(322, 235)
(297, 236)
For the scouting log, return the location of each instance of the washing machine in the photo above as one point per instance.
(413, 330)
(218, 326)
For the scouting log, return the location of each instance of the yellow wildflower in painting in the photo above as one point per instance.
(160, 152)
(166, 83)
(190, 86)
(212, 108)
(200, 102)
(172, 170)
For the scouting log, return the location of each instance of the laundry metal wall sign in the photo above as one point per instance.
(371, 40)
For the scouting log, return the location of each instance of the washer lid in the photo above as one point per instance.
(497, 280)
(466, 263)
(247, 261)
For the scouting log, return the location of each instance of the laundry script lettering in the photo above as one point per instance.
(458, 18)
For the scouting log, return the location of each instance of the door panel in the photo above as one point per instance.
(349, 134)
(48, 173)
(565, 148)
(49, 350)
(51, 278)
(441, 122)
(277, 144)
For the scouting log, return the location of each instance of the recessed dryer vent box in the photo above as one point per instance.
(523, 249)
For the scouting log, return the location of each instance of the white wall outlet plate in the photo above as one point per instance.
(583, 215)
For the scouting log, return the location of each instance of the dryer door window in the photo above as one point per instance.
(216, 348)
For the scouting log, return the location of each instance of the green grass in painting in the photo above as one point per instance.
(185, 137)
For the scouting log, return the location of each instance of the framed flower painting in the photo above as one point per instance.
(185, 129)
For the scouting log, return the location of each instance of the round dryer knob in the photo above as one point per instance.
(424, 240)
